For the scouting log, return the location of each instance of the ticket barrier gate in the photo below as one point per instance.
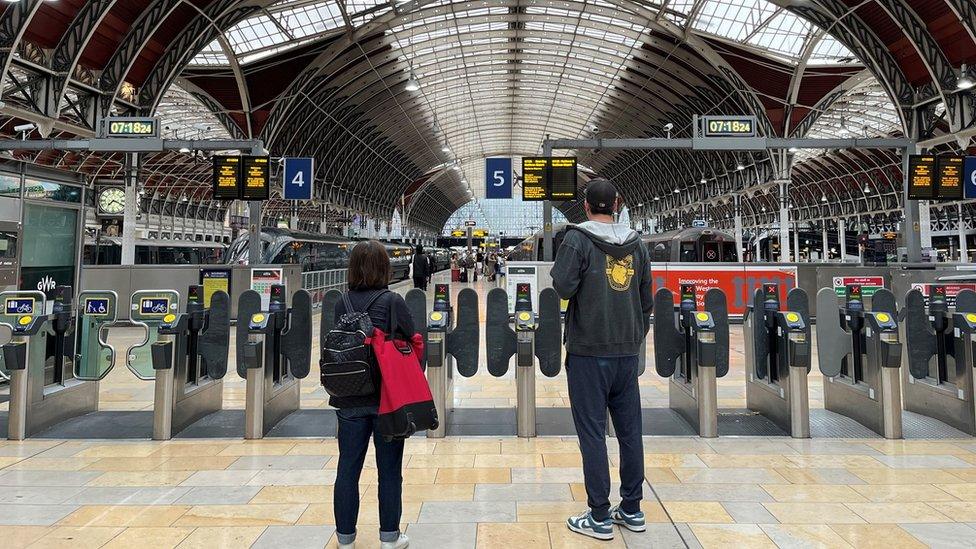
(51, 357)
(184, 353)
(939, 379)
(691, 347)
(274, 353)
(448, 345)
(777, 345)
(860, 354)
(535, 337)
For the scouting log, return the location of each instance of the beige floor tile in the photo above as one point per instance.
(903, 492)
(293, 494)
(805, 535)
(477, 475)
(149, 538)
(906, 476)
(257, 449)
(810, 493)
(124, 515)
(467, 447)
(548, 511)
(562, 537)
(965, 492)
(813, 513)
(76, 538)
(445, 460)
(190, 449)
(540, 445)
(18, 537)
(916, 447)
(731, 535)
(429, 492)
(562, 460)
(660, 475)
(527, 535)
(7, 461)
(709, 512)
(510, 460)
(264, 514)
(673, 460)
(314, 449)
(219, 538)
(416, 475)
(148, 463)
(831, 461)
(959, 511)
(876, 536)
(119, 450)
(894, 513)
(141, 478)
(967, 475)
(743, 461)
(197, 463)
(51, 464)
(319, 514)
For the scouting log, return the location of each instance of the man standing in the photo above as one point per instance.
(421, 269)
(603, 269)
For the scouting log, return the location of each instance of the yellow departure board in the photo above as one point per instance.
(256, 171)
(534, 181)
(562, 178)
(226, 176)
(921, 172)
(950, 169)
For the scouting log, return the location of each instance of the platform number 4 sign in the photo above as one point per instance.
(298, 178)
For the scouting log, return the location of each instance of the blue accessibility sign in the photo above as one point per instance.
(298, 178)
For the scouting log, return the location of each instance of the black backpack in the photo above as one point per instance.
(347, 367)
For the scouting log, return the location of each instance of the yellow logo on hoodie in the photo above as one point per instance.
(619, 272)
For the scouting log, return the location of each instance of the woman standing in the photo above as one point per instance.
(369, 273)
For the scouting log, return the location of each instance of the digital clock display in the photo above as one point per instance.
(130, 127)
(729, 126)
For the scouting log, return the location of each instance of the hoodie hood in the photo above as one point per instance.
(614, 239)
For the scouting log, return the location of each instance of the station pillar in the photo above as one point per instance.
(737, 231)
(924, 224)
(130, 214)
(842, 239)
(796, 242)
(826, 244)
(784, 223)
(961, 226)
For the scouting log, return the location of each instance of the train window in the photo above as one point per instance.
(711, 251)
(8, 244)
(728, 252)
(688, 252)
(144, 255)
(660, 252)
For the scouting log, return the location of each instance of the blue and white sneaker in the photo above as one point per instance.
(631, 521)
(588, 526)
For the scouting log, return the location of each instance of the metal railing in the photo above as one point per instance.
(317, 283)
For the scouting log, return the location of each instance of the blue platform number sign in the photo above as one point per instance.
(969, 177)
(298, 178)
(498, 178)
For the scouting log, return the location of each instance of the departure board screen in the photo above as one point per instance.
(255, 178)
(226, 177)
(562, 179)
(534, 181)
(950, 170)
(921, 171)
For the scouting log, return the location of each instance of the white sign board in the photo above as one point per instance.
(261, 282)
(522, 274)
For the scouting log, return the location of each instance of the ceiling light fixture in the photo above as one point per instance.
(823, 198)
(964, 82)
(412, 84)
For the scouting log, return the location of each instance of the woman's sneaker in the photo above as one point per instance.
(588, 526)
(631, 521)
(401, 543)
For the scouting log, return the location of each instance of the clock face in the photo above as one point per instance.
(111, 201)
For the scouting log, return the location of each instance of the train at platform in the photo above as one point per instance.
(321, 252)
(107, 250)
(691, 245)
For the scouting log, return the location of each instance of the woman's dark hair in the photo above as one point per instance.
(420, 249)
(369, 266)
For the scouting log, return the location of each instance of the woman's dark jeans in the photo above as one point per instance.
(356, 427)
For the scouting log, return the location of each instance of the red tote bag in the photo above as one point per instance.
(406, 404)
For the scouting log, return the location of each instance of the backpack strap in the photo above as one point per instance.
(348, 302)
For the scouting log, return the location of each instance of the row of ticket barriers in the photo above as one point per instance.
(55, 360)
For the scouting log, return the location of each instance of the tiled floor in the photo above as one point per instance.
(485, 492)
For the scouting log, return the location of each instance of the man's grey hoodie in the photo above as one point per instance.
(604, 270)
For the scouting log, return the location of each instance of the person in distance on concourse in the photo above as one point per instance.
(603, 269)
(369, 273)
(421, 269)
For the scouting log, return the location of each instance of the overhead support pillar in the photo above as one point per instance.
(737, 231)
(784, 223)
(130, 215)
(547, 254)
(925, 224)
(254, 223)
(470, 232)
(826, 243)
(796, 242)
(912, 227)
(842, 239)
(961, 226)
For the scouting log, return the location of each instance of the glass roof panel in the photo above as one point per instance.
(733, 19)
(212, 54)
(829, 50)
(182, 116)
(784, 33)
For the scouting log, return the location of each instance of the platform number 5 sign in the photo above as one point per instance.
(498, 178)
(298, 178)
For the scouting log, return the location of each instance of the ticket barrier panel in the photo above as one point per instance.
(42, 356)
(939, 379)
(449, 345)
(274, 353)
(860, 353)
(691, 347)
(184, 353)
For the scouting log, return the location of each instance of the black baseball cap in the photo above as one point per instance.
(601, 195)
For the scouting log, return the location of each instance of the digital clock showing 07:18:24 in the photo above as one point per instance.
(132, 127)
